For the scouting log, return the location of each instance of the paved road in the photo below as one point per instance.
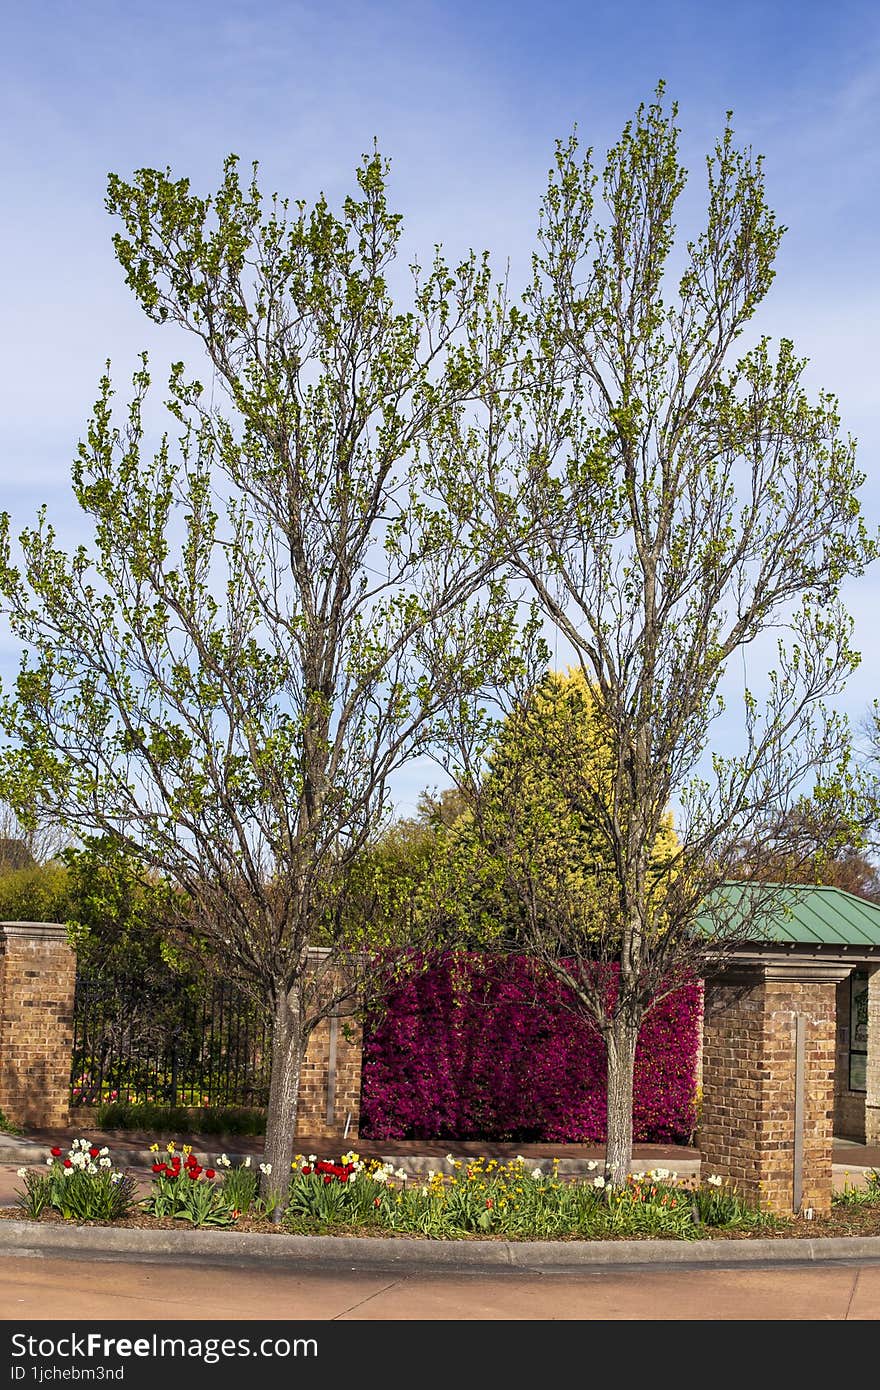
(59, 1288)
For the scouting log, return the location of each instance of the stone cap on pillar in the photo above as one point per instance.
(49, 930)
(749, 966)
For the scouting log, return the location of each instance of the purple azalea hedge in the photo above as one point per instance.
(478, 1049)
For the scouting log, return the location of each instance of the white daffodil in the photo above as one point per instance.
(313, 1158)
(536, 1174)
(401, 1173)
(660, 1173)
(266, 1168)
(591, 1165)
(105, 1162)
(102, 1153)
(714, 1180)
(449, 1158)
(21, 1172)
(247, 1162)
(67, 1172)
(380, 1175)
(599, 1182)
(224, 1162)
(638, 1177)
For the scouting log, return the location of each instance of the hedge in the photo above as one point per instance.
(479, 1048)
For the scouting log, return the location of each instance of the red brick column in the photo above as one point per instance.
(37, 980)
(768, 1081)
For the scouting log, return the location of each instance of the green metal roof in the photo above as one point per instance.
(801, 915)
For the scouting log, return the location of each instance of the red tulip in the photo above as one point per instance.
(56, 1153)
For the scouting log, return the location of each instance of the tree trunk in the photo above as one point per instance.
(620, 1043)
(288, 1049)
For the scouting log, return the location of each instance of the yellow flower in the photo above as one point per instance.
(169, 1148)
(187, 1149)
(154, 1148)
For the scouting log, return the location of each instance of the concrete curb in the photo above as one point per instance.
(27, 1238)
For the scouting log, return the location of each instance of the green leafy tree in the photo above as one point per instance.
(671, 499)
(276, 609)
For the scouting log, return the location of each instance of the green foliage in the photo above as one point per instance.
(81, 1187)
(118, 910)
(173, 1119)
(513, 1201)
(41, 893)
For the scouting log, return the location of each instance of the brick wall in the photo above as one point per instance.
(37, 979)
(330, 1082)
(747, 1131)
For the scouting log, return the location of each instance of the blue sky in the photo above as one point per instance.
(467, 100)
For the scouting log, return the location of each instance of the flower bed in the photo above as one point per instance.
(476, 1198)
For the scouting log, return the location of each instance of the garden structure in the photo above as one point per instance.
(790, 1053)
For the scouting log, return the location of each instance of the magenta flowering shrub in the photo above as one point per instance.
(479, 1048)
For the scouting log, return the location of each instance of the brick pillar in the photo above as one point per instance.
(872, 1097)
(330, 1082)
(37, 980)
(768, 1103)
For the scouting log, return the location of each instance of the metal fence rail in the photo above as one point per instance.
(169, 1040)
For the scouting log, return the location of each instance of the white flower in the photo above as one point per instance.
(449, 1158)
(313, 1158)
(91, 1169)
(401, 1173)
(714, 1180)
(104, 1162)
(247, 1162)
(49, 1162)
(599, 1182)
(102, 1153)
(423, 1190)
(660, 1173)
(116, 1177)
(519, 1159)
(536, 1174)
(591, 1165)
(431, 1175)
(266, 1168)
(21, 1172)
(67, 1172)
(638, 1177)
(380, 1175)
(223, 1160)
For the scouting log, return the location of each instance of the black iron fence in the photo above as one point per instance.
(168, 1040)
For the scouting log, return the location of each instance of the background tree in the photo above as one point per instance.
(273, 614)
(670, 502)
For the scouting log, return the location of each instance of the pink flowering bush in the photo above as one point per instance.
(480, 1049)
